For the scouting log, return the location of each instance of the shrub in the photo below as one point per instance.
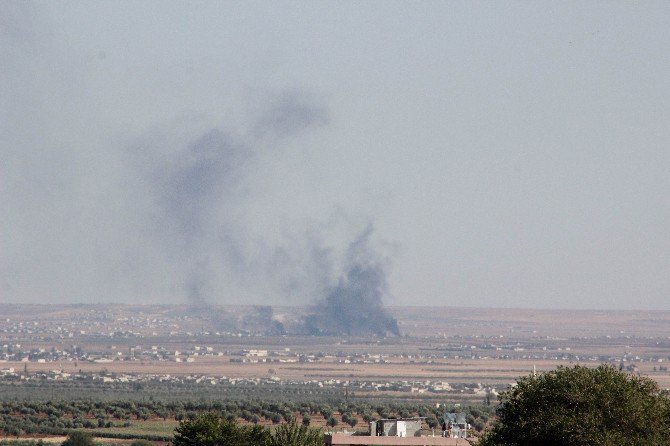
(293, 434)
(78, 438)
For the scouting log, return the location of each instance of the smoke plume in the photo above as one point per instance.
(261, 320)
(353, 305)
(190, 191)
(200, 190)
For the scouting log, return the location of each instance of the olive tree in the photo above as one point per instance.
(78, 438)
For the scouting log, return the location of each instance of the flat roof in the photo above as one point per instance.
(342, 439)
(402, 419)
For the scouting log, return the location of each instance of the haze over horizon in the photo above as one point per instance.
(471, 154)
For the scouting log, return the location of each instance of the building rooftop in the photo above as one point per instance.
(343, 439)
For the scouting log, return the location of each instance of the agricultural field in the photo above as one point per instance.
(156, 421)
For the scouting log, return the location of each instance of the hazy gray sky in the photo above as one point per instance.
(481, 153)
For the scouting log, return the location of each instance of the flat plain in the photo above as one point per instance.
(454, 346)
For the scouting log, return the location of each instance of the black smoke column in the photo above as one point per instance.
(354, 305)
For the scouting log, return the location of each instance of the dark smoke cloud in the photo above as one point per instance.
(261, 320)
(200, 191)
(353, 306)
(203, 185)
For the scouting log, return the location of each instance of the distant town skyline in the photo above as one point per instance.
(476, 154)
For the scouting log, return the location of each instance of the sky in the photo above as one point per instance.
(480, 154)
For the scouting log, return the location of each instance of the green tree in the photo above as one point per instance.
(78, 438)
(293, 434)
(579, 406)
(326, 412)
(210, 429)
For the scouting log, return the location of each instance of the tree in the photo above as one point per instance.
(326, 412)
(581, 406)
(210, 429)
(78, 438)
(293, 434)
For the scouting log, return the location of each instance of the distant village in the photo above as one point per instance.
(115, 335)
(125, 330)
(11, 374)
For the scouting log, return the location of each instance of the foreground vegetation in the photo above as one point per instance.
(576, 406)
(579, 406)
(155, 420)
(210, 429)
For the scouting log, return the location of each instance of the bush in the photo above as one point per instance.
(78, 438)
(293, 434)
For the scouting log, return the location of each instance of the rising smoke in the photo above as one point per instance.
(353, 306)
(200, 191)
(166, 216)
(261, 320)
(191, 190)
